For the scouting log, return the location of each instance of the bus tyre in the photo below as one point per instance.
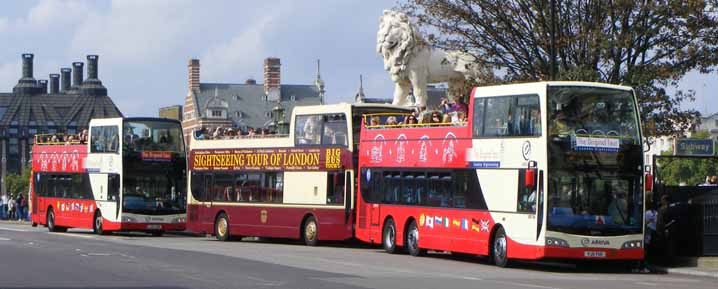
(221, 227)
(388, 238)
(412, 240)
(499, 248)
(97, 227)
(310, 231)
(51, 223)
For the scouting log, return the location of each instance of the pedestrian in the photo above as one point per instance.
(3, 206)
(651, 218)
(11, 208)
(22, 206)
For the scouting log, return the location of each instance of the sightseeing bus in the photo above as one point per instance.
(540, 171)
(129, 176)
(298, 185)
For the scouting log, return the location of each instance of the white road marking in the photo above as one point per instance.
(523, 284)
(4, 239)
(74, 235)
(13, 229)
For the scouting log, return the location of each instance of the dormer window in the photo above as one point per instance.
(239, 114)
(293, 98)
(216, 113)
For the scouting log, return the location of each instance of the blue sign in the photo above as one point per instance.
(695, 147)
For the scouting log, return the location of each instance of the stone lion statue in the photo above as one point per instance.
(413, 64)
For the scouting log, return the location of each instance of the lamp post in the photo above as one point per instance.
(278, 124)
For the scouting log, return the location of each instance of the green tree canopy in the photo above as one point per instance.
(649, 45)
(18, 183)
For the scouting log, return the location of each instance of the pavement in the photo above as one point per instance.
(34, 258)
(701, 266)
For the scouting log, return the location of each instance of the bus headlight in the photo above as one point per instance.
(128, 219)
(556, 242)
(632, 244)
(179, 220)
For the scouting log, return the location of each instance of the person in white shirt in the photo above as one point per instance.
(3, 206)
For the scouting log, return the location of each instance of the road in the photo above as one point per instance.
(34, 258)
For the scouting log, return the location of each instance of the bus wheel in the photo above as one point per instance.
(51, 223)
(310, 232)
(388, 238)
(412, 240)
(97, 224)
(499, 249)
(221, 227)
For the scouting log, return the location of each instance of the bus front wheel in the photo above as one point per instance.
(388, 238)
(500, 248)
(221, 227)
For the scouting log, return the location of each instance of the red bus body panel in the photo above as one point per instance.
(278, 222)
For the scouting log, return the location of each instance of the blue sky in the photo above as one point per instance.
(144, 46)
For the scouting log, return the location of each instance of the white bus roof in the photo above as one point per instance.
(481, 91)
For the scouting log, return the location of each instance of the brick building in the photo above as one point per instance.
(244, 105)
(41, 107)
(171, 112)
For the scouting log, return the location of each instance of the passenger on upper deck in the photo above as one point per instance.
(410, 120)
(391, 121)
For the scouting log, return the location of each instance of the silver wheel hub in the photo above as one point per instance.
(500, 247)
(390, 236)
(414, 238)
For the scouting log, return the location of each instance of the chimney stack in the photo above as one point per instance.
(193, 75)
(26, 84)
(92, 85)
(27, 65)
(272, 81)
(42, 84)
(65, 75)
(77, 74)
(54, 83)
(92, 66)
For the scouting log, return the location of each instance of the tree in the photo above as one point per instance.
(18, 183)
(649, 45)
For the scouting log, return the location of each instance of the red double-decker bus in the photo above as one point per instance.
(129, 176)
(540, 170)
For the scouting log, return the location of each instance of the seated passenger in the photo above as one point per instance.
(410, 121)
(435, 118)
(391, 121)
(374, 122)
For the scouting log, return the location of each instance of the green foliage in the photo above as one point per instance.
(648, 45)
(674, 171)
(15, 183)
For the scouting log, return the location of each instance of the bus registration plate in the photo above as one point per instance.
(594, 254)
(154, 227)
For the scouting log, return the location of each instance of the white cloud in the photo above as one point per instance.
(242, 54)
(134, 32)
(51, 15)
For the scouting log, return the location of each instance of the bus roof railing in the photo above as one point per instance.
(369, 117)
(46, 139)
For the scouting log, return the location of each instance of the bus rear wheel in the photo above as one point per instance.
(412, 240)
(388, 237)
(221, 227)
(51, 223)
(97, 227)
(310, 231)
(499, 249)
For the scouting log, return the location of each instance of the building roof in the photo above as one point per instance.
(61, 109)
(250, 100)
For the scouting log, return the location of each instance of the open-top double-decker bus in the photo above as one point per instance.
(129, 176)
(298, 185)
(541, 170)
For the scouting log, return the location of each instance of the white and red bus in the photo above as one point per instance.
(129, 176)
(540, 170)
(297, 186)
